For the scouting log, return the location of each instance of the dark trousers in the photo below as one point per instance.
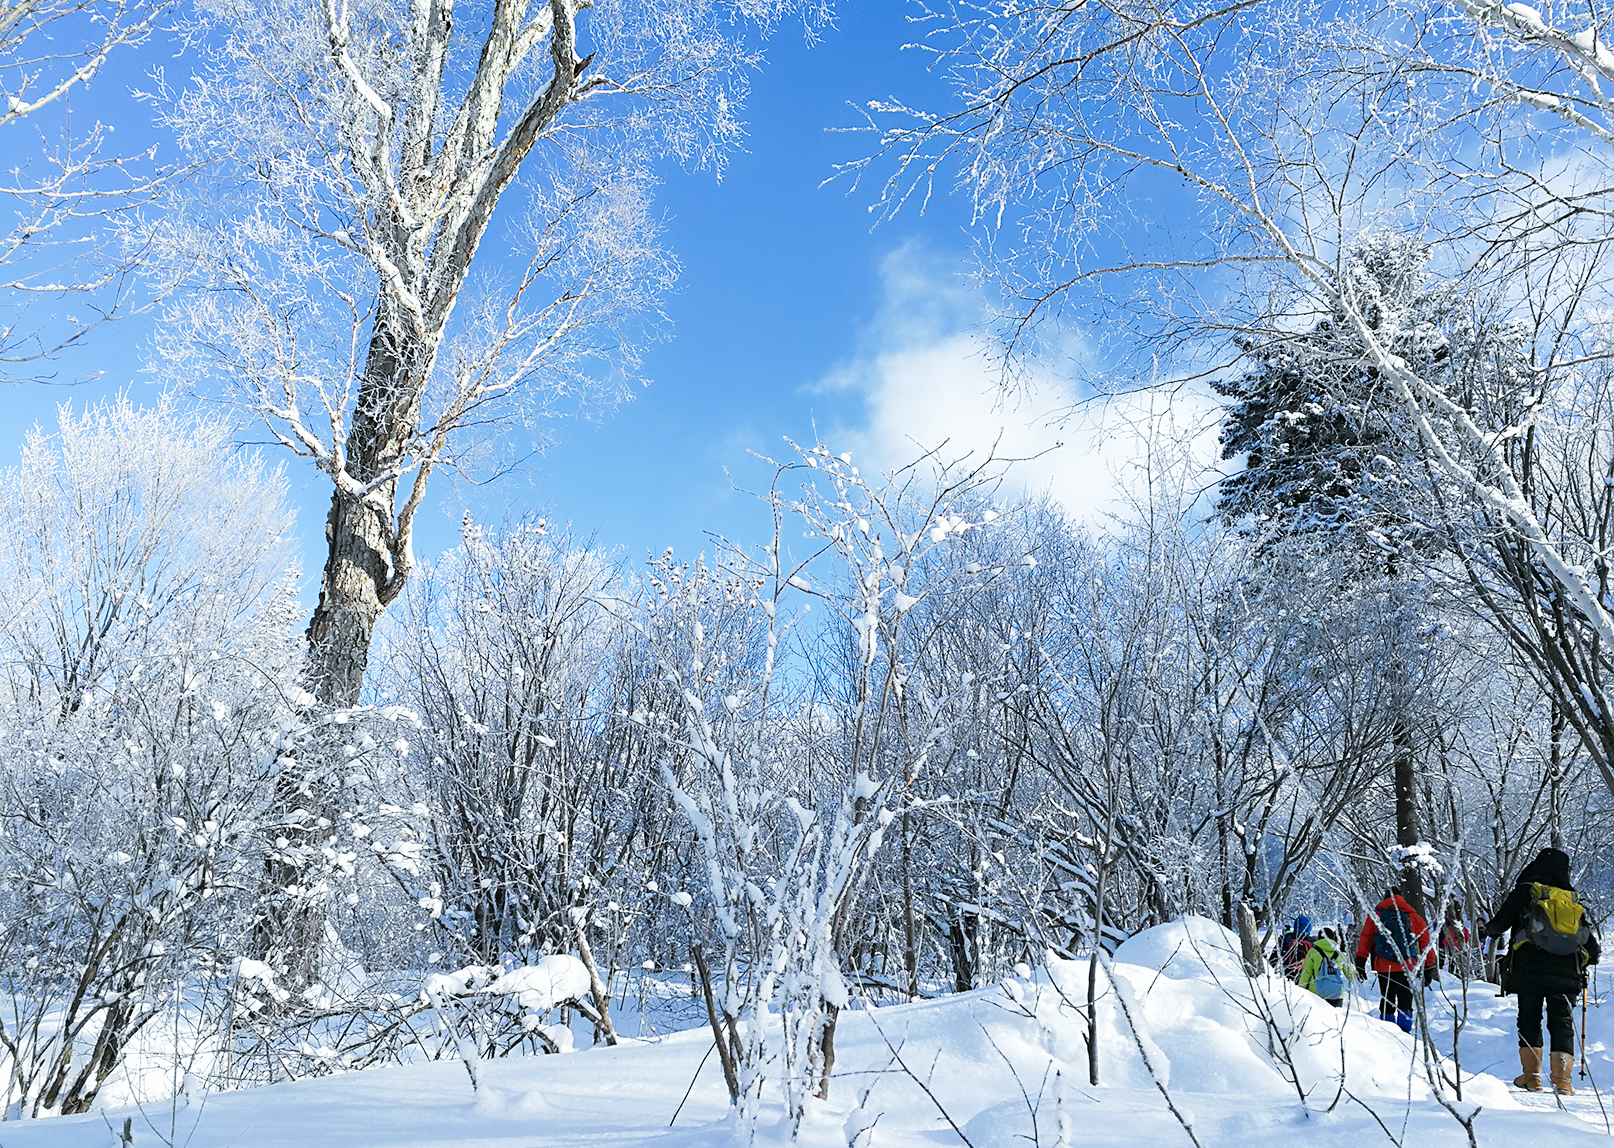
(1560, 1020)
(1395, 994)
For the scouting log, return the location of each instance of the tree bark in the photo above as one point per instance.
(356, 567)
(826, 1048)
(910, 932)
(1249, 943)
(1406, 813)
(365, 568)
(597, 989)
(1092, 964)
(725, 1054)
(1555, 778)
(960, 944)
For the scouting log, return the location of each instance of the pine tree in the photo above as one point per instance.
(1328, 455)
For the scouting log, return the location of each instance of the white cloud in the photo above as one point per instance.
(927, 378)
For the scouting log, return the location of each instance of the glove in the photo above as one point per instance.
(1361, 968)
(1431, 973)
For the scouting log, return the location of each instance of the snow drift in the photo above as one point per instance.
(1246, 1062)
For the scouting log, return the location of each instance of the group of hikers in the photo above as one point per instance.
(1551, 943)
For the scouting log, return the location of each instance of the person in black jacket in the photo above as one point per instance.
(1540, 977)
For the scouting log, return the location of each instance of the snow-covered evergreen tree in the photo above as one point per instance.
(1334, 466)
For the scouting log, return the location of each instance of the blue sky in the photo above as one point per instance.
(792, 312)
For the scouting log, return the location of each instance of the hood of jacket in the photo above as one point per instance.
(1550, 867)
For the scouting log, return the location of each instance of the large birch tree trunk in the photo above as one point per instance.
(368, 537)
(367, 149)
(364, 151)
(364, 568)
(357, 568)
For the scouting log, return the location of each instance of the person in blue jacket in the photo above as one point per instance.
(1293, 947)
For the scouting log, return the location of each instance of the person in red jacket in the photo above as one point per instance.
(1398, 941)
(1453, 940)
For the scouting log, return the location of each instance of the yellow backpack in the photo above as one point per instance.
(1555, 921)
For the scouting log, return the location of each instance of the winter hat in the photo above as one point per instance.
(1302, 926)
(1550, 867)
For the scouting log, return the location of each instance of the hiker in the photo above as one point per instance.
(1325, 972)
(1293, 946)
(1453, 939)
(1397, 939)
(1552, 943)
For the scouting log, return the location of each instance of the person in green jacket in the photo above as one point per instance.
(1324, 973)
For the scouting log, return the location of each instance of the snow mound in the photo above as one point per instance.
(1249, 1062)
(510, 1103)
(544, 984)
(1176, 1005)
(1192, 948)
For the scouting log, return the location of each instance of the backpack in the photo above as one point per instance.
(1330, 981)
(1555, 921)
(1395, 941)
(1292, 953)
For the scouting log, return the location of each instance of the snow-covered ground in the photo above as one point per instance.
(1005, 1067)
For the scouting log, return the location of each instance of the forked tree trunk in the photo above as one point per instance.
(363, 573)
(727, 1044)
(366, 567)
(366, 563)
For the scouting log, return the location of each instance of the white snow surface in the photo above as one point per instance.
(1004, 1062)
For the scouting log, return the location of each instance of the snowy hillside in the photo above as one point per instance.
(1243, 1064)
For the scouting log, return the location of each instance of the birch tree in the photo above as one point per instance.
(363, 152)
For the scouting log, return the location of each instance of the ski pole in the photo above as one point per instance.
(1583, 1030)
